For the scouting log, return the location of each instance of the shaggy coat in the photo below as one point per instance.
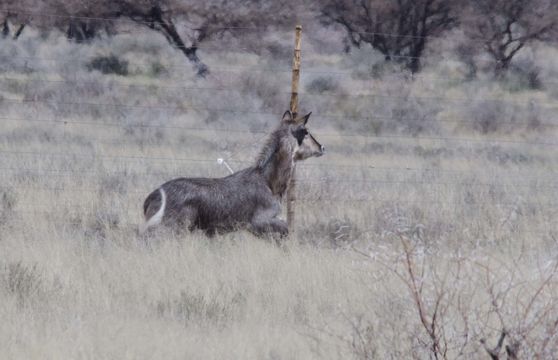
(249, 198)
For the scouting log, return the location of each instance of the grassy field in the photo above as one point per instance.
(427, 231)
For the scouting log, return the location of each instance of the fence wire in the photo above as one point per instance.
(529, 181)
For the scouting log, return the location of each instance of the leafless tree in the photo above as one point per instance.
(504, 27)
(399, 29)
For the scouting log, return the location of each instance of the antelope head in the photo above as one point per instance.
(306, 145)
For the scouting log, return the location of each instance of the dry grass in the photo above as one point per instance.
(430, 241)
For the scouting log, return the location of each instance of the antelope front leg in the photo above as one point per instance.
(265, 222)
(271, 226)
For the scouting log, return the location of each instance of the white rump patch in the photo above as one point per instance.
(158, 217)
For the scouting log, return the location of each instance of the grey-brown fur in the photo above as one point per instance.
(249, 198)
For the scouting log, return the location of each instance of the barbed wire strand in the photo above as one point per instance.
(466, 101)
(340, 134)
(318, 199)
(119, 223)
(26, 11)
(221, 48)
(362, 167)
(305, 201)
(250, 68)
(267, 112)
(71, 174)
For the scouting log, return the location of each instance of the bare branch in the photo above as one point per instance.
(505, 27)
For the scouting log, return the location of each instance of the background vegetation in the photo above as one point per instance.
(427, 230)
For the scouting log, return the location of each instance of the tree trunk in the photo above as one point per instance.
(5, 29)
(174, 38)
(19, 31)
(415, 54)
(502, 66)
(80, 31)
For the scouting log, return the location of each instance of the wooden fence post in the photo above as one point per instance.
(291, 190)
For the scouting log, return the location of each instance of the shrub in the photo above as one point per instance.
(336, 233)
(109, 65)
(322, 84)
(217, 307)
(492, 116)
(524, 76)
(488, 117)
(21, 281)
(7, 203)
(157, 69)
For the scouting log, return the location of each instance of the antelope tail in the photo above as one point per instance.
(158, 216)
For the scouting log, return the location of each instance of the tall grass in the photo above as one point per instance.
(432, 237)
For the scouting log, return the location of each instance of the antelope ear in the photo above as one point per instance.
(287, 116)
(304, 119)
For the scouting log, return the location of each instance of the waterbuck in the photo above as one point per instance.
(249, 198)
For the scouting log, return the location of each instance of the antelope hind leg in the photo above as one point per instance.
(182, 220)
